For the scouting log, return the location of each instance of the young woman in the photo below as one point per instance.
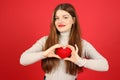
(64, 33)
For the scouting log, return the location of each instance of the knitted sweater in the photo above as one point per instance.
(94, 61)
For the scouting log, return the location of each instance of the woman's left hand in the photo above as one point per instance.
(74, 54)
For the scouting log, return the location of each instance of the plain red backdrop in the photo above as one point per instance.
(23, 22)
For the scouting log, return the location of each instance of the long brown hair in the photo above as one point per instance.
(74, 38)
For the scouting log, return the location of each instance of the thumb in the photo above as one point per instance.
(54, 55)
(68, 59)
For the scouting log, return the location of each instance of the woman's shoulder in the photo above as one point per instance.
(86, 47)
(42, 39)
(86, 43)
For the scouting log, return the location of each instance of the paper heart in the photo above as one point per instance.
(63, 52)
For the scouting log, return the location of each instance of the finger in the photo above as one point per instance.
(76, 48)
(54, 55)
(57, 46)
(54, 47)
(68, 59)
(71, 47)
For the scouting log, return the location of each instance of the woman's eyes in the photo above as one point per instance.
(65, 17)
(56, 18)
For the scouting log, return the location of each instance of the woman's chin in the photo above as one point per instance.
(61, 31)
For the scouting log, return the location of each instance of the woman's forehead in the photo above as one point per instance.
(62, 13)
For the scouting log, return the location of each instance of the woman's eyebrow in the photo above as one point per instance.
(62, 15)
(66, 15)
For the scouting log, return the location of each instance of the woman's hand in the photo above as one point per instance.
(74, 54)
(51, 51)
(75, 58)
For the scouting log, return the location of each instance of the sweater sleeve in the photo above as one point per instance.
(34, 53)
(95, 61)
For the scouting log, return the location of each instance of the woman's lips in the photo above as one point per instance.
(61, 25)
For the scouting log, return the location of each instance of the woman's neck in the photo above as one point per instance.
(64, 38)
(65, 34)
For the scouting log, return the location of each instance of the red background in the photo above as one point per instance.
(22, 22)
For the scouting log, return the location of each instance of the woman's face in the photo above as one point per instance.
(63, 21)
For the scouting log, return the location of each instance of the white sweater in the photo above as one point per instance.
(95, 60)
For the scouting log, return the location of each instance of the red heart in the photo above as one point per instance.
(63, 52)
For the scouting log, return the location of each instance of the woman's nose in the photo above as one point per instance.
(60, 20)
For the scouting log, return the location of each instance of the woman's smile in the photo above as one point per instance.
(61, 25)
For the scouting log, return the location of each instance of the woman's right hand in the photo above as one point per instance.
(50, 52)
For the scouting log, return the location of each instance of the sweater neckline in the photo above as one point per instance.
(65, 34)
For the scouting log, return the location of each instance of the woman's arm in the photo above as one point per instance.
(95, 60)
(34, 53)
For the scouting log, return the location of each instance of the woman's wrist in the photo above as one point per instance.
(44, 54)
(81, 62)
